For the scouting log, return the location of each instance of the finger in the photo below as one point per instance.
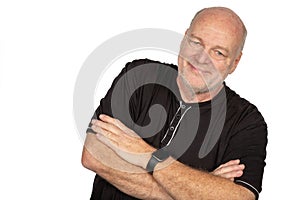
(111, 144)
(228, 169)
(229, 163)
(105, 133)
(107, 126)
(112, 124)
(109, 135)
(232, 175)
(118, 124)
(107, 118)
(124, 128)
(96, 128)
(232, 162)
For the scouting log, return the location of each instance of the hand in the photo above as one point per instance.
(230, 170)
(124, 141)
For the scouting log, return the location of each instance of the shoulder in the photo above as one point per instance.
(146, 71)
(143, 69)
(148, 62)
(244, 112)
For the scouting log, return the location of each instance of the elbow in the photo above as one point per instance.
(84, 162)
(87, 159)
(247, 195)
(91, 163)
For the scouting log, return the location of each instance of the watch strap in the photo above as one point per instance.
(158, 156)
(151, 164)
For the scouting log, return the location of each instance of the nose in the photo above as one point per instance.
(202, 57)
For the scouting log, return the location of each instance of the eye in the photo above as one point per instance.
(219, 54)
(196, 43)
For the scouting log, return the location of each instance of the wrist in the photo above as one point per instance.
(146, 160)
(157, 156)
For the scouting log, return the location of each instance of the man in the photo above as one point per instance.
(212, 144)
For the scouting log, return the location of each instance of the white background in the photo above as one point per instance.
(43, 45)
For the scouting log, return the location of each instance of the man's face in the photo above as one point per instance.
(209, 52)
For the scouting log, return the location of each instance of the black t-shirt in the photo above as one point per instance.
(201, 135)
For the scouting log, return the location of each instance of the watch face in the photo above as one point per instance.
(160, 155)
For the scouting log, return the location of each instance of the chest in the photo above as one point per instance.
(194, 136)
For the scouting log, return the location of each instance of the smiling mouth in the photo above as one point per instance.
(199, 70)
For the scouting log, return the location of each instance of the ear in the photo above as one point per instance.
(235, 63)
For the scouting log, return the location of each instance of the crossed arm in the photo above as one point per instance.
(128, 178)
(173, 180)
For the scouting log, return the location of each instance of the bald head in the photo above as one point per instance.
(225, 17)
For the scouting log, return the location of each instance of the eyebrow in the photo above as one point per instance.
(218, 46)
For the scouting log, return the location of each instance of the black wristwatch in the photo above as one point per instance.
(157, 156)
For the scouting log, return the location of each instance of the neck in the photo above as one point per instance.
(188, 95)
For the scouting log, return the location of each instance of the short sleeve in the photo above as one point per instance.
(248, 143)
(124, 85)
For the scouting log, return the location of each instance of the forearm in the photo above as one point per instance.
(128, 178)
(183, 182)
(139, 185)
